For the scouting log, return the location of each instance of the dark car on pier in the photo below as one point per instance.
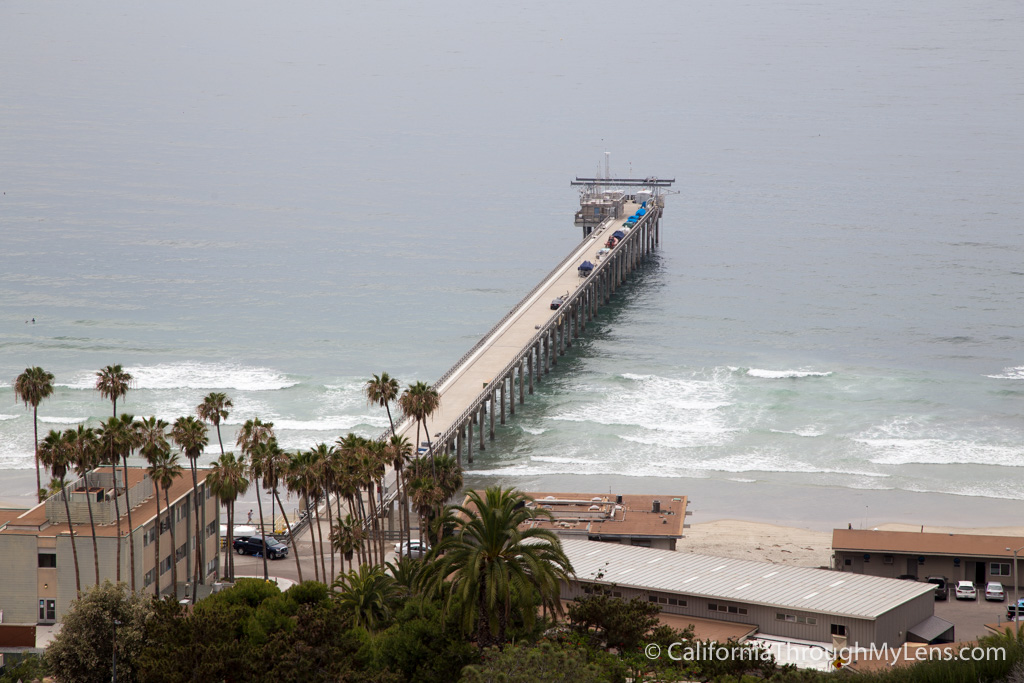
(253, 545)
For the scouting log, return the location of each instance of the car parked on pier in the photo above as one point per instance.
(253, 545)
(556, 303)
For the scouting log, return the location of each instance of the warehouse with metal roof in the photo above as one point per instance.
(783, 601)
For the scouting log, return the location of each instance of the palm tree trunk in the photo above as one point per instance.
(219, 439)
(35, 432)
(312, 538)
(294, 541)
(92, 525)
(330, 525)
(263, 533)
(199, 537)
(117, 507)
(323, 568)
(229, 558)
(174, 544)
(71, 530)
(131, 529)
(156, 583)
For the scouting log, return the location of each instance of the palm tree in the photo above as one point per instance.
(113, 382)
(325, 458)
(55, 453)
(163, 470)
(382, 391)
(347, 536)
(252, 439)
(84, 456)
(117, 437)
(400, 453)
(150, 437)
(31, 387)
(227, 481)
(213, 409)
(369, 594)
(429, 494)
(421, 400)
(190, 435)
(304, 479)
(491, 563)
(275, 468)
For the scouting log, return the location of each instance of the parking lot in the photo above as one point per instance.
(970, 616)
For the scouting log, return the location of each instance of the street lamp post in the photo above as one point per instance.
(1016, 593)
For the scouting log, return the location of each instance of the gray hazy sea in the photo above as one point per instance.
(277, 201)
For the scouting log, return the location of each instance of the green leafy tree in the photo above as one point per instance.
(347, 536)
(489, 566)
(368, 595)
(613, 622)
(214, 409)
(546, 662)
(105, 617)
(31, 387)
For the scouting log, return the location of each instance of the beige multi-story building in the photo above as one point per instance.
(36, 559)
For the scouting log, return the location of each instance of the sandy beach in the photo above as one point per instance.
(792, 545)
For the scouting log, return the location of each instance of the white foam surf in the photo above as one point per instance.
(1010, 373)
(8, 417)
(203, 376)
(62, 420)
(784, 374)
(906, 451)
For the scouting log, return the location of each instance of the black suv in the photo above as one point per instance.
(253, 545)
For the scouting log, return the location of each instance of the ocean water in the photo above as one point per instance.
(277, 202)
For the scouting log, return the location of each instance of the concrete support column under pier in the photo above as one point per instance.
(521, 397)
(529, 367)
(460, 437)
(502, 398)
(483, 407)
(493, 410)
(469, 441)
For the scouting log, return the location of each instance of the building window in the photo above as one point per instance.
(886, 559)
(149, 536)
(179, 554)
(47, 560)
(999, 569)
(838, 630)
(150, 577)
(47, 610)
(211, 566)
(211, 528)
(640, 542)
(165, 566)
(795, 619)
(847, 562)
(728, 609)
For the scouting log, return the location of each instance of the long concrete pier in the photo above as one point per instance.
(483, 388)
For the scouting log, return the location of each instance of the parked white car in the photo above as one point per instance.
(965, 590)
(415, 549)
(994, 591)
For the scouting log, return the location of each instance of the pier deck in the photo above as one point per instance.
(528, 341)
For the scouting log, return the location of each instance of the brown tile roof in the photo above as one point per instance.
(633, 518)
(29, 521)
(867, 540)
